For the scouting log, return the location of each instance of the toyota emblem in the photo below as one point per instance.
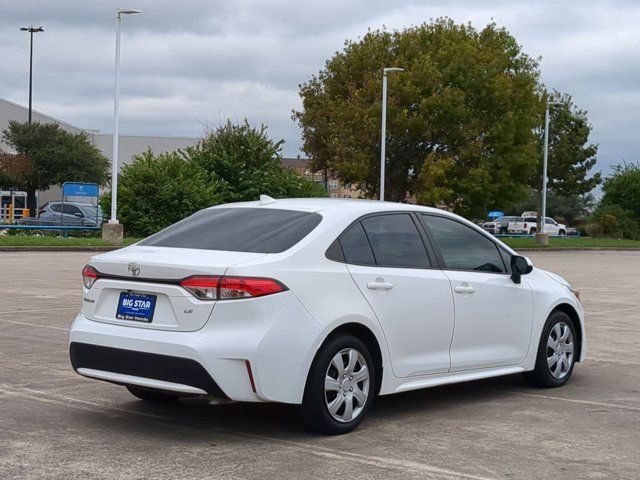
(134, 269)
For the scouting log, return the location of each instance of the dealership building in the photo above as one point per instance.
(128, 145)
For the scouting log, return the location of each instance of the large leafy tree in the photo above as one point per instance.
(248, 163)
(461, 117)
(571, 155)
(55, 155)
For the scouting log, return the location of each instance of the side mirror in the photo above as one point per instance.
(520, 266)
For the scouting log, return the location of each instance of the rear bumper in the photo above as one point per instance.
(275, 334)
(129, 367)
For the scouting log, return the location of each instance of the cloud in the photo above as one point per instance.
(192, 63)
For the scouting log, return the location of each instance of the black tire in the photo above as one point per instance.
(562, 233)
(541, 375)
(152, 395)
(315, 412)
(533, 231)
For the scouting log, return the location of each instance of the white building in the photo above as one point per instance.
(128, 145)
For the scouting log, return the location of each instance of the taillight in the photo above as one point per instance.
(227, 288)
(205, 288)
(89, 276)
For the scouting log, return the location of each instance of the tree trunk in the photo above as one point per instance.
(31, 202)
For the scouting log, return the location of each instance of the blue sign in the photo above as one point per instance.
(496, 214)
(75, 189)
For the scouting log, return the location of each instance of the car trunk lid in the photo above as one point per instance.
(150, 277)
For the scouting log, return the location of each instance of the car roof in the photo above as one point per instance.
(331, 204)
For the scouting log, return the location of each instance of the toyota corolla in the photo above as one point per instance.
(324, 303)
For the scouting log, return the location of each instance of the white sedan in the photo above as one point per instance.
(324, 303)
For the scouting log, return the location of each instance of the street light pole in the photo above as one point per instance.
(545, 157)
(116, 118)
(383, 134)
(31, 29)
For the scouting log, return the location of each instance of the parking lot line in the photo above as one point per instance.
(371, 460)
(34, 325)
(575, 400)
(41, 310)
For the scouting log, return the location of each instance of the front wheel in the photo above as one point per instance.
(556, 353)
(340, 386)
(562, 233)
(533, 231)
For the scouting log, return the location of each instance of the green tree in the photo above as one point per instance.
(57, 156)
(249, 163)
(571, 156)
(156, 191)
(622, 188)
(460, 119)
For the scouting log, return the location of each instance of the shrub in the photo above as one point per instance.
(156, 191)
(613, 221)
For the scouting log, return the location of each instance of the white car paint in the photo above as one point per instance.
(428, 330)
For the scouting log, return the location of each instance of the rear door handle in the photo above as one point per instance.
(379, 284)
(464, 288)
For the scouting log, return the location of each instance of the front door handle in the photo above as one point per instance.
(379, 284)
(464, 288)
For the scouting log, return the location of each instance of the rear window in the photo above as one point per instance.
(258, 230)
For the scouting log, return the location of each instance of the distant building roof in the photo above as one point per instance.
(292, 162)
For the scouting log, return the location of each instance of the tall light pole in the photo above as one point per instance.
(544, 165)
(383, 135)
(31, 29)
(116, 117)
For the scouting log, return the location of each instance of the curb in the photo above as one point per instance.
(59, 249)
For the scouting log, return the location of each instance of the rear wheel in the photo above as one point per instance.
(533, 231)
(556, 353)
(340, 386)
(152, 395)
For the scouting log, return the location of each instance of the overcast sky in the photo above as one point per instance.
(191, 63)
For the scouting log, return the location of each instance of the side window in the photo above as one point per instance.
(548, 221)
(56, 207)
(356, 247)
(71, 209)
(462, 247)
(395, 241)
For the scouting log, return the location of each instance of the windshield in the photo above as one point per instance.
(258, 230)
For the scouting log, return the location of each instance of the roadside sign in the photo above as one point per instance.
(77, 189)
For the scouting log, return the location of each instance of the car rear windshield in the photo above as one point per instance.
(259, 230)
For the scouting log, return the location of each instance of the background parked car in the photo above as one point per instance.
(67, 213)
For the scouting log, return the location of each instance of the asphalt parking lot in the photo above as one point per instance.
(56, 424)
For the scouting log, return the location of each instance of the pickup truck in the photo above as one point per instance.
(500, 224)
(528, 225)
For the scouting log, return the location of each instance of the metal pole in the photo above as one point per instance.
(383, 136)
(30, 73)
(116, 128)
(544, 169)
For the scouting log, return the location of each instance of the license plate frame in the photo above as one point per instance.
(133, 306)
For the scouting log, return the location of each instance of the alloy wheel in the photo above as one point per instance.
(346, 385)
(560, 349)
